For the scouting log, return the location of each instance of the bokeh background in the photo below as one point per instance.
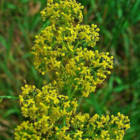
(119, 23)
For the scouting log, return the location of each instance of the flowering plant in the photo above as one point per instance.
(65, 48)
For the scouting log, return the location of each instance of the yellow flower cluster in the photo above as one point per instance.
(54, 46)
(101, 128)
(86, 70)
(63, 12)
(46, 107)
(66, 49)
(27, 131)
(79, 127)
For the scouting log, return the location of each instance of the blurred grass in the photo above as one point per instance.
(119, 22)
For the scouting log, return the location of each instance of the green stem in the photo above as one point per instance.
(69, 92)
(9, 97)
(64, 121)
(73, 93)
(76, 46)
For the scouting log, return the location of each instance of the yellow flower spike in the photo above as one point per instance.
(65, 48)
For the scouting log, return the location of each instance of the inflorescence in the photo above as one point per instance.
(65, 48)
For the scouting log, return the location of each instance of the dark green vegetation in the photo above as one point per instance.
(119, 22)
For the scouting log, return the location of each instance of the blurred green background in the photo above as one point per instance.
(119, 22)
